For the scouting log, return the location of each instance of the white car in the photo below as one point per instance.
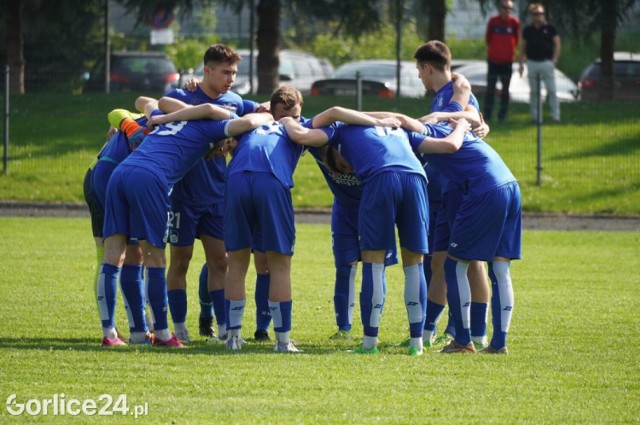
(476, 72)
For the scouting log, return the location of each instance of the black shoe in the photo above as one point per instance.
(261, 336)
(206, 328)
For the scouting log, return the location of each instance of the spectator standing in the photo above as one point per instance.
(541, 48)
(502, 36)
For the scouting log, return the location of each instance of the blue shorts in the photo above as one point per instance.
(489, 225)
(451, 201)
(258, 204)
(137, 205)
(344, 237)
(100, 179)
(186, 222)
(393, 199)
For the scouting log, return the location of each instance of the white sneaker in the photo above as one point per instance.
(234, 343)
(286, 347)
(183, 336)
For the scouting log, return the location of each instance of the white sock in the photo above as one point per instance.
(137, 337)
(222, 329)
(180, 327)
(369, 342)
(283, 337)
(416, 343)
(163, 334)
(109, 333)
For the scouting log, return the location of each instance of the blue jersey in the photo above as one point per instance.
(346, 189)
(374, 150)
(172, 149)
(204, 184)
(442, 100)
(267, 149)
(476, 167)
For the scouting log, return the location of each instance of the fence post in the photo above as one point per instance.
(539, 138)
(358, 91)
(5, 157)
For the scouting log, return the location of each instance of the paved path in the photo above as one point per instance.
(540, 221)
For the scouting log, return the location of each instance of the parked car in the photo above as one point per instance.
(626, 77)
(476, 72)
(297, 68)
(378, 78)
(135, 71)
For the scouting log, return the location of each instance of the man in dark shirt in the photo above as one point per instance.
(541, 47)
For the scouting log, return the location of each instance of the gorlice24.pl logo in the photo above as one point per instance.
(60, 405)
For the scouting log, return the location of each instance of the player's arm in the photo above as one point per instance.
(190, 113)
(302, 135)
(404, 121)
(145, 103)
(351, 116)
(449, 144)
(247, 122)
(170, 104)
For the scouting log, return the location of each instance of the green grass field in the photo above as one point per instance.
(573, 344)
(590, 162)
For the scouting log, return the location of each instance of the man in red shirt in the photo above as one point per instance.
(502, 35)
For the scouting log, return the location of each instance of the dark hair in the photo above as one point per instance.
(221, 53)
(286, 95)
(435, 53)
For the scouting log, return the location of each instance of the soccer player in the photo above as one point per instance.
(347, 191)
(119, 146)
(137, 198)
(394, 194)
(260, 177)
(486, 227)
(433, 60)
(197, 202)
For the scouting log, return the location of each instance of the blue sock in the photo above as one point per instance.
(106, 293)
(415, 298)
(451, 326)
(234, 311)
(206, 311)
(217, 299)
(479, 319)
(434, 311)
(459, 298)
(281, 313)
(178, 305)
(157, 297)
(372, 297)
(263, 314)
(502, 301)
(342, 302)
(132, 287)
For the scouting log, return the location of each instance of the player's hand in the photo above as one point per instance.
(482, 130)
(112, 130)
(461, 123)
(191, 85)
(429, 119)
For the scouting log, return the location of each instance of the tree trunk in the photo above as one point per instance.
(268, 41)
(607, 47)
(437, 15)
(13, 45)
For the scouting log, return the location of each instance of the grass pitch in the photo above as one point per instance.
(573, 343)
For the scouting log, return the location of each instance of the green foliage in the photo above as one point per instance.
(590, 161)
(567, 362)
(188, 53)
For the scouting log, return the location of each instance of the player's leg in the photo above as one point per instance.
(501, 304)
(280, 301)
(216, 257)
(205, 321)
(479, 302)
(346, 253)
(261, 296)
(133, 294)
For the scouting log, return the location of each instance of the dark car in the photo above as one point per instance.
(297, 68)
(378, 78)
(626, 77)
(135, 71)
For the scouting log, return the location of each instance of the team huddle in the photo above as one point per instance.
(163, 177)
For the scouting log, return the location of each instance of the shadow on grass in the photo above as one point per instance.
(193, 348)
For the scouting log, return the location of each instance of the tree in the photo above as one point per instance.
(13, 44)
